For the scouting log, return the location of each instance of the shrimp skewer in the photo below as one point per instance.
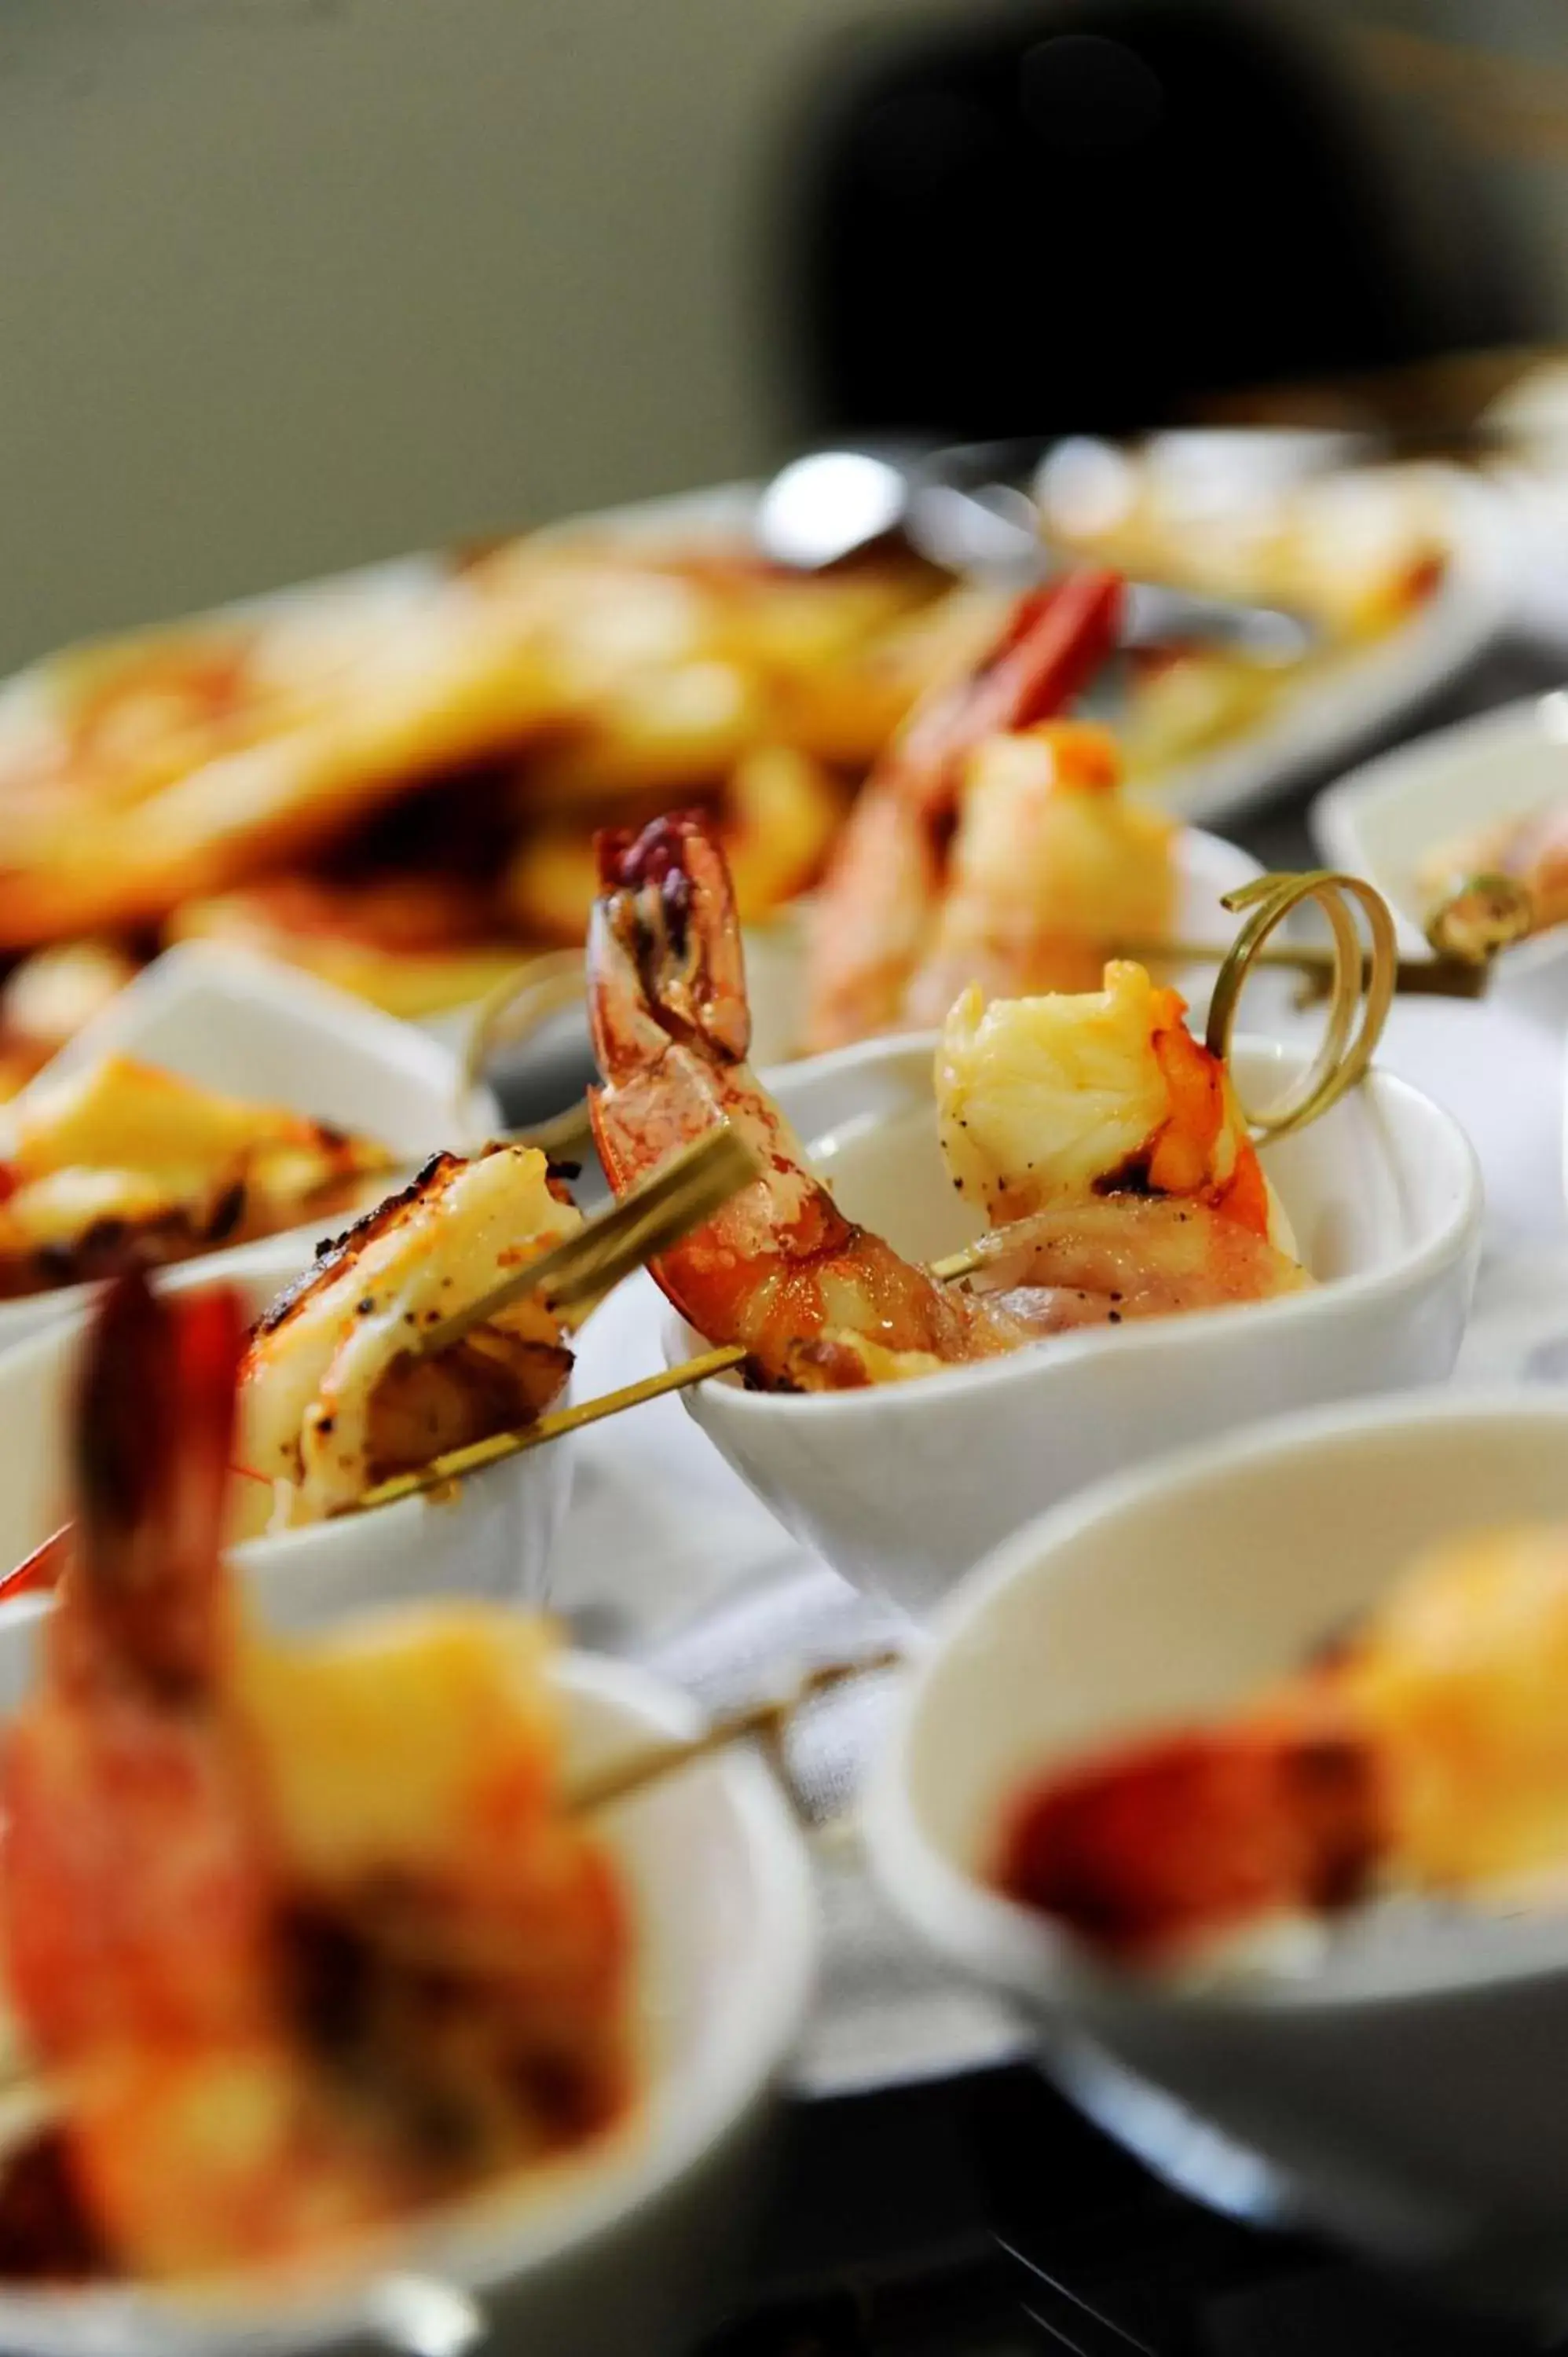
(817, 1301)
(138, 1870)
(301, 1935)
(876, 907)
(1426, 1750)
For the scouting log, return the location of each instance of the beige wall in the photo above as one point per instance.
(287, 283)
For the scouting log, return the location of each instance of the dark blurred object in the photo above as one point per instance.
(1102, 215)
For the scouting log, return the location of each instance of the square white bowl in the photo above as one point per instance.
(1385, 820)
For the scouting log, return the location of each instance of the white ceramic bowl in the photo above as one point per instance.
(492, 1538)
(623, 2251)
(901, 1486)
(229, 1020)
(1404, 2086)
(1208, 867)
(1386, 819)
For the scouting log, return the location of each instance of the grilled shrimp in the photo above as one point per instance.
(877, 907)
(332, 1396)
(818, 1302)
(1427, 1751)
(301, 1935)
(1107, 1147)
(1048, 863)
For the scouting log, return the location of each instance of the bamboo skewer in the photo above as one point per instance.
(1482, 916)
(686, 1191)
(767, 1720)
(440, 1472)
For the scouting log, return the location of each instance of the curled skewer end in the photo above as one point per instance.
(1364, 979)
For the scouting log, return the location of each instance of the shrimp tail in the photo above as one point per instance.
(154, 1434)
(665, 922)
(1190, 1834)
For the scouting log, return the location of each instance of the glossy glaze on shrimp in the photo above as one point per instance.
(300, 1934)
(818, 1302)
(876, 919)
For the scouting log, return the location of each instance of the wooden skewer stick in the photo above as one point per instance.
(769, 1719)
(578, 1273)
(441, 1472)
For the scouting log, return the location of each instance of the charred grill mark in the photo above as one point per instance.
(1129, 1177)
(336, 1253)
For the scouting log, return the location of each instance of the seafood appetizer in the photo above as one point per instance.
(1107, 1140)
(990, 843)
(1531, 850)
(1424, 1753)
(123, 1165)
(299, 1939)
(332, 1397)
(394, 779)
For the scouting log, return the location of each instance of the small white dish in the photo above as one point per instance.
(900, 1485)
(1208, 867)
(229, 1020)
(1369, 690)
(493, 1538)
(1401, 2085)
(1385, 820)
(625, 2249)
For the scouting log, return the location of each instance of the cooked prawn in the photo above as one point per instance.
(1049, 865)
(876, 912)
(301, 1935)
(1427, 1750)
(1108, 1147)
(817, 1301)
(333, 1398)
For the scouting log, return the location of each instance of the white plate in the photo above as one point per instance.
(1364, 697)
(624, 2251)
(1369, 692)
(1401, 2078)
(1383, 820)
(229, 1019)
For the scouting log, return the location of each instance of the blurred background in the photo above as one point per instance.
(292, 283)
